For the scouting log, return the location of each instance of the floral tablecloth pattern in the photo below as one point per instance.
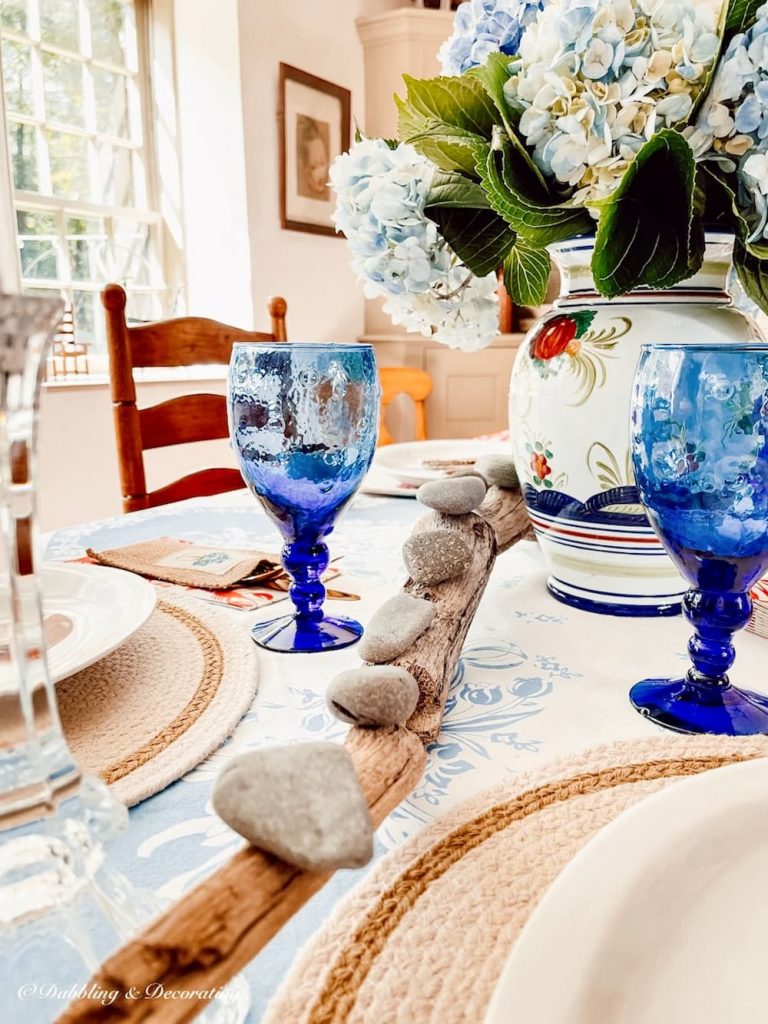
(536, 680)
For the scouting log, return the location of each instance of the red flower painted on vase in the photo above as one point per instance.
(540, 466)
(555, 337)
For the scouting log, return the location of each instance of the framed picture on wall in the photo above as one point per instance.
(314, 120)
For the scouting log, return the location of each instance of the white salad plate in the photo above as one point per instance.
(89, 612)
(405, 462)
(662, 918)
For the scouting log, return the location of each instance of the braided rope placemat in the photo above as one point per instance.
(157, 706)
(423, 939)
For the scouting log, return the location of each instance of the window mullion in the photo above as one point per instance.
(109, 225)
(84, 17)
(33, 20)
(62, 261)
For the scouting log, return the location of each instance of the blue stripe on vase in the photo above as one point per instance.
(637, 611)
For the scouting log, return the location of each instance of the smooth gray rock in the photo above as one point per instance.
(498, 470)
(436, 555)
(454, 495)
(300, 801)
(394, 627)
(373, 695)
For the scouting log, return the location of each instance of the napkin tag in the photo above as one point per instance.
(190, 565)
(216, 562)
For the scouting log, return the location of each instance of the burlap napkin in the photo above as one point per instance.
(191, 565)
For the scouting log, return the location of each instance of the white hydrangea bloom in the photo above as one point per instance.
(596, 78)
(398, 251)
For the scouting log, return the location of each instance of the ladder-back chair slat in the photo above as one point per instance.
(183, 341)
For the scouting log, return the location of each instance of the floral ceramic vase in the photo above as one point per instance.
(570, 397)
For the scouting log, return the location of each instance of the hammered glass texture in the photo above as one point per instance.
(700, 452)
(304, 423)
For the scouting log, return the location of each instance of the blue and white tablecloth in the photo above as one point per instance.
(536, 680)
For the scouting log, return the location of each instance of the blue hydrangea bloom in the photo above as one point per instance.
(732, 127)
(482, 27)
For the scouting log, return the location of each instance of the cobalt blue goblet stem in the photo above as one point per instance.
(700, 453)
(715, 618)
(306, 562)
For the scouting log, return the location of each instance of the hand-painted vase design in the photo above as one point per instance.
(565, 342)
(572, 384)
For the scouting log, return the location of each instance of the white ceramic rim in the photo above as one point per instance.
(392, 458)
(107, 606)
(564, 941)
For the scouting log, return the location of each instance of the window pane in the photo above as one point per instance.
(135, 254)
(23, 155)
(143, 307)
(63, 79)
(115, 175)
(39, 242)
(68, 157)
(13, 15)
(86, 243)
(17, 76)
(59, 23)
(87, 317)
(113, 34)
(111, 102)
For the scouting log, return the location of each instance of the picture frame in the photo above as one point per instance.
(314, 121)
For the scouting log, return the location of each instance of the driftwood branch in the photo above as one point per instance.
(207, 937)
(505, 511)
(500, 522)
(202, 941)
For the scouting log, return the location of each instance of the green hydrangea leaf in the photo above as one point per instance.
(518, 196)
(494, 75)
(448, 147)
(648, 233)
(753, 274)
(526, 273)
(480, 238)
(461, 102)
(741, 14)
(452, 189)
(723, 207)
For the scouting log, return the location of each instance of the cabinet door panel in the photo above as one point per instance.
(469, 395)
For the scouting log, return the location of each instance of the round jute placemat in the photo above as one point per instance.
(157, 706)
(423, 939)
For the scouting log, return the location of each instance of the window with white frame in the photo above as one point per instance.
(76, 88)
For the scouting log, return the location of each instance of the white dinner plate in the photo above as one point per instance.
(405, 461)
(90, 610)
(378, 481)
(662, 918)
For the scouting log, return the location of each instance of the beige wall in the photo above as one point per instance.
(217, 249)
(311, 271)
(78, 460)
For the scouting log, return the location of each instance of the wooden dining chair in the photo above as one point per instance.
(404, 380)
(185, 341)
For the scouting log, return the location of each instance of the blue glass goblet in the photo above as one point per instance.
(700, 451)
(303, 419)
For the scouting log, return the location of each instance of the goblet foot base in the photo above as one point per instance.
(291, 635)
(693, 708)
